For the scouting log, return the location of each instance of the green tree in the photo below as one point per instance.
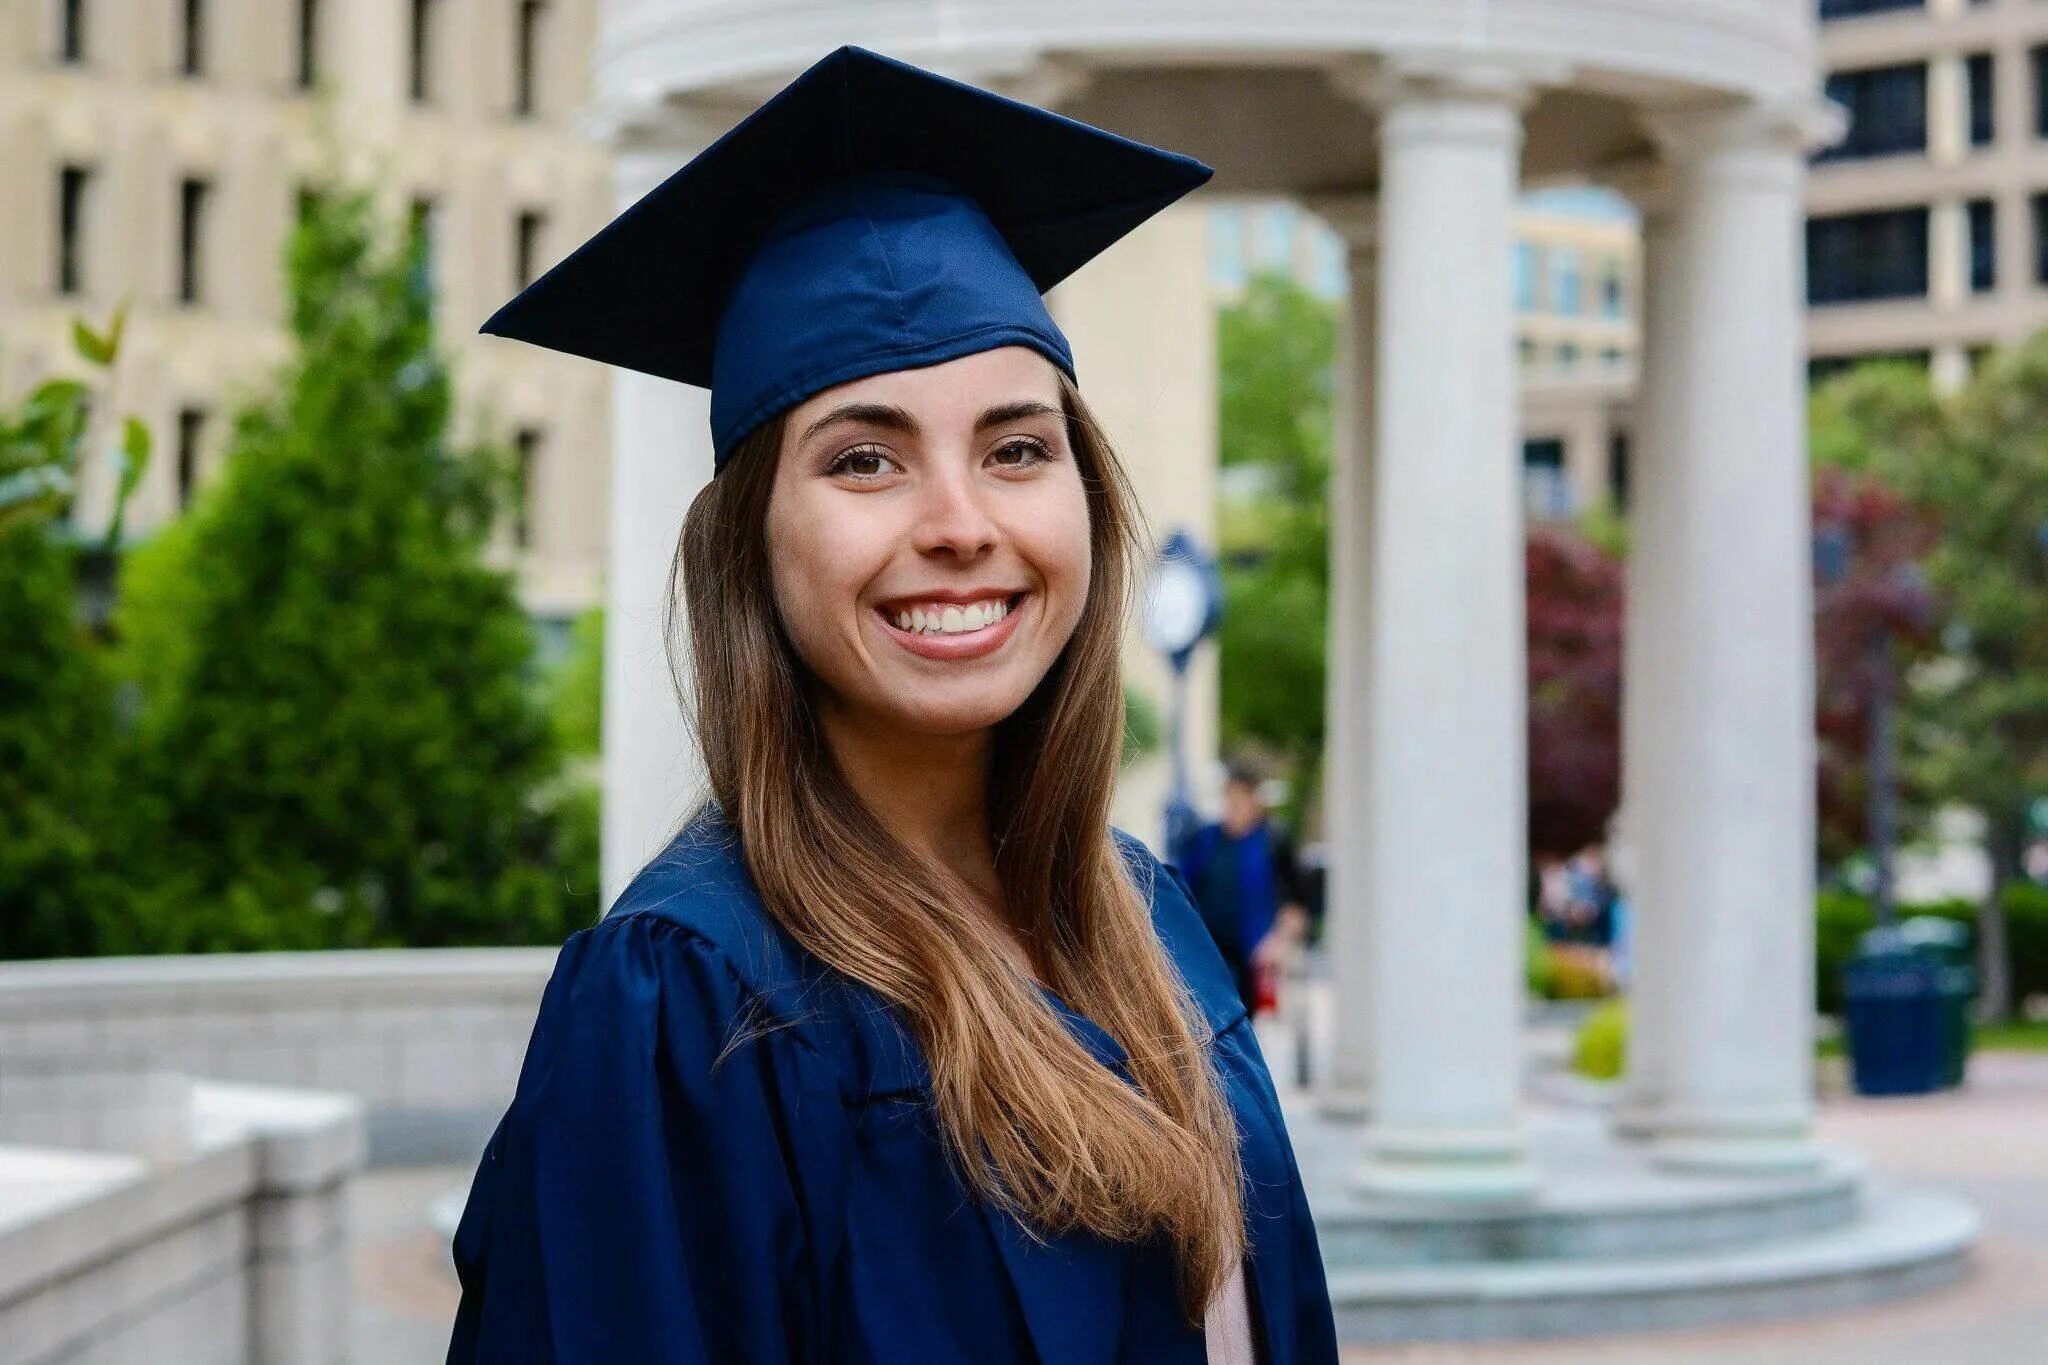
(1276, 350)
(1978, 718)
(59, 747)
(339, 731)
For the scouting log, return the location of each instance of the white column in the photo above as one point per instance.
(1347, 818)
(1721, 768)
(1445, 700)
(661, 456)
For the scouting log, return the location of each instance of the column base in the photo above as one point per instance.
(1759, 1140)
(1467, 1166)
(1344, 1103)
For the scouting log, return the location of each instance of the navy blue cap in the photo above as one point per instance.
(870, 217)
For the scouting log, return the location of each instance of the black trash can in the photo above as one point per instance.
(1892, 1012)
(1956, 982)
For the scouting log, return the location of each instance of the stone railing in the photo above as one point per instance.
(429, 1040)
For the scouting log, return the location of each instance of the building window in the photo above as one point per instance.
(2040, 55)
(1610, 357)
(191, 427)
(192, 56)
(526, 58)
(2040, 238)
(1610, 289)
(1860, 256)
(1983, 118)
(1527, 349)
(526, 445)
(309, 43)
(526, 247)
(1527, 267)
(1983, 219)
(1226, 247)
(423, 228)
(425, 17)
(1567, 355)
(1850, 9)
(1887, 111)
(71, 47)
(192, 197)
(1273, 237)
(1564, 281)
(1546, 494)
(74, 185)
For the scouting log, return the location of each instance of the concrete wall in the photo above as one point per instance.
(430, 1040)
(219, 1235)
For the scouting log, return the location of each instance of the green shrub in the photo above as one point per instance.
(1600, 1051)
(1538, 969)
(1841, 918)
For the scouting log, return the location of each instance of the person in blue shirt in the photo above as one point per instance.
(1247, 884)
(897, 1052)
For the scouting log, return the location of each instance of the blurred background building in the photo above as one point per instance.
(157, 153)
(1927, 234)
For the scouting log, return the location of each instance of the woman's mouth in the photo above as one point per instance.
(941, 629)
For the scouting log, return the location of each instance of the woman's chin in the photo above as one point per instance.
(944, 717)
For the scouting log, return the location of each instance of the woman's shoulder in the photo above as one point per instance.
(1182, 933)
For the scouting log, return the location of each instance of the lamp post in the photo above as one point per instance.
(1183, 604)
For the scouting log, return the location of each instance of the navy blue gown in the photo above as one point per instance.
(721, 1150)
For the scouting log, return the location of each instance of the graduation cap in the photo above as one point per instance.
(870, 217)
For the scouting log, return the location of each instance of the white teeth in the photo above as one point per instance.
(951, 620)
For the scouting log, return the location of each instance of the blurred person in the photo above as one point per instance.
(1248, 885)
(897, 1052)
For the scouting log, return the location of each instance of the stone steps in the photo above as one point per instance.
(1902, 1242)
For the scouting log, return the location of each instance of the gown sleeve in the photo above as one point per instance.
(644, 1198)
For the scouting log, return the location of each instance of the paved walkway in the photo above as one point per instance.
(1989, 1144)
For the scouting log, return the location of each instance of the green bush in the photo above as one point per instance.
(341, 737)
(1538, 967)
(1841, 918)
(1600, 1051)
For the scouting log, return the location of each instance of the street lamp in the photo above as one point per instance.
(1183, 604)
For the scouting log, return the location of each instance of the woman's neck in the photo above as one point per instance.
(930, 792)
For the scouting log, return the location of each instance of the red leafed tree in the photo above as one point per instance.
(1867, 541)
(1575, 601)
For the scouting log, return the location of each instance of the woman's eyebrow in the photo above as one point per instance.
(885, 415)
(1011, 412)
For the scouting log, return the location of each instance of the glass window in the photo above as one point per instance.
(1226, 247)
(526, 444)
(1983, 118)
(309, 43)
(1567, 355)
(192, 198)
(1546, 493)
(2040, 55)
(74, 185)
(1527, 267)
(2041, 239)
(1887, 107)
(1850, 9)
(424, 15)
(1822, 368)
(526, 247)
(424, 227)
(1610, 288)
(193, 58)
(1273, 236)
(1617, 469)
(1983, 218)
(191, 427)
(1564, 280)
(525, 57)
(71, 33)
(1859, 256)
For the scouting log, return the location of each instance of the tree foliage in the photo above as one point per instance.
(339, 735)
(1575, 611)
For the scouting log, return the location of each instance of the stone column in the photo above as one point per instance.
(1720, 764)
(661, 456)
(1346, 818)
(1445, 704)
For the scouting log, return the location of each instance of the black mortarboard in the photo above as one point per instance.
(870, 217)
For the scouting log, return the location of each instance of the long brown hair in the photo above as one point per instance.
(1037, 1125)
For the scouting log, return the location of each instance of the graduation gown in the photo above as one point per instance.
(721, 1150)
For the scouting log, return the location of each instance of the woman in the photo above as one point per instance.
(896, 1053)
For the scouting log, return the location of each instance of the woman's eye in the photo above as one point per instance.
(1020, 454)
(861, 463)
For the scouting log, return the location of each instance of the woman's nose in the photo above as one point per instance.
(954, 518)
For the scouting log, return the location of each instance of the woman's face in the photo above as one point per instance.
(928, 534)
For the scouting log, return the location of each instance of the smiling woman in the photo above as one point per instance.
(897, 1052)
